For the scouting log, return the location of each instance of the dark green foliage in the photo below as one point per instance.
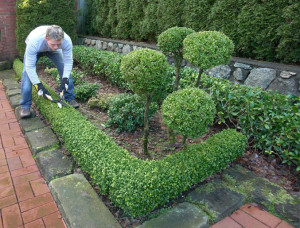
(32, 13)
(269, 120)
(257, 23)
(289, 45)
(45, 62)
(149, 24)
(126, 112)
(169, 12)
(86, 90)
(134, 185)
(188, 111)
(223, 17)
(196, 13)
(260, 29)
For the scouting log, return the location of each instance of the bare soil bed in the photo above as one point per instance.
(159, 146)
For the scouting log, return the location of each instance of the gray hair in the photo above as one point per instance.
(54, 32)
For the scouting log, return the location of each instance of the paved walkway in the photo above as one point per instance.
(25, 199)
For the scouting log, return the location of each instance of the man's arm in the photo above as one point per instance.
(30, 63)
(68, 57)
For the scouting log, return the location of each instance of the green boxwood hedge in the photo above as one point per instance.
(135, 185)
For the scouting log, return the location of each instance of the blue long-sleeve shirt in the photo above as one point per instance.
(35, 43)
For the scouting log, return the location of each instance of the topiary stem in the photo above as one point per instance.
(146, 128)
(199, 76)
(178, 62)
(184, 140)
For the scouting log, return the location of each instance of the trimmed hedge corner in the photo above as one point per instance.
(135, 185)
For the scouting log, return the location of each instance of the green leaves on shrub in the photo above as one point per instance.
(207, 49)
(269, 120)
(18, 68)
(126, 112)
(101, 101)
(145, 70)
(86, 90)
(138, 186)
(188, 111)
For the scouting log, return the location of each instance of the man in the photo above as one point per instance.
(53, 42)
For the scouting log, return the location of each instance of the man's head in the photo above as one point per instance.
(54, 36)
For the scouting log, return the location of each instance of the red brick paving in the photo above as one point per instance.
(251, 216)
(25, 199)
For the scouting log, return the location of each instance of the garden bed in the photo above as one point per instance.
(159, 147)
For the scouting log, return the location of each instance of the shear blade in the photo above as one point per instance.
(59, 105)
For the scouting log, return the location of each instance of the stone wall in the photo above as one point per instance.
(275, 76)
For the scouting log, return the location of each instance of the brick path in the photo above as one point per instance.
(251, 216)
(25, 199)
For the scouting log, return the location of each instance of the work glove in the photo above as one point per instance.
(42, 90)
(63, 86)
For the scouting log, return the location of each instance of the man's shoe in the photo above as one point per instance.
(25, 112)
(73, 103)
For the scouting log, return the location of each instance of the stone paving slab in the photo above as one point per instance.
(79, 203)
(219, 200)
(269, 195)
(10, 84)
(53, 164)
(13, 92)
(183, 215)
(15, 100)
(41, 139)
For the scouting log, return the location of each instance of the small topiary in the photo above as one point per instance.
(126, 112)
(188, 111)
(207, 49)
(170, 42)
(145, 70)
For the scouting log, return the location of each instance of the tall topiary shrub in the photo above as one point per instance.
(123, 16)
(189, 112)
(32, 13)
(207, 49)
(145, 70)
(170, 42)
(149, 25)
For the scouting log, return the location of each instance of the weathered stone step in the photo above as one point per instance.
(53, 164)
(183, 215)
(79, 203)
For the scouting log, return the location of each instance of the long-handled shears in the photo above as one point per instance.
(59, 101)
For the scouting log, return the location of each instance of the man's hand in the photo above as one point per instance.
(42, 90)
(63, 86)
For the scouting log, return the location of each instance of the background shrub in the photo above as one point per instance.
(101, 101)
(188, 111)
(86, 90)
(126, 112)
(32, 13)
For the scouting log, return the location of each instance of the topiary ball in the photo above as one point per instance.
(145, 70)
(171, 41)
(207, 49)
(188, 111)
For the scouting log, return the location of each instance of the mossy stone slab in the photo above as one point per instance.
(183, 215)
(15, 100)
(79, 204)
(13, 92)
(217, 198)
(41, 140)
(10, 84)
(31, 124)
(53, 164)
(7, 74)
